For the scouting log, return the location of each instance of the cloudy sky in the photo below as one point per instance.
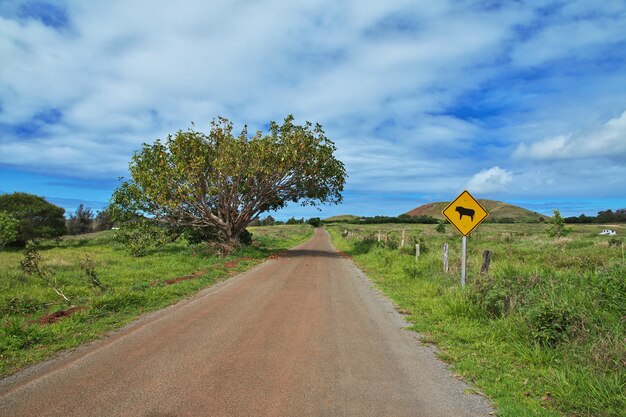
(519, 101)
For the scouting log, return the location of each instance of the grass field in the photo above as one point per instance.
(543, 333)
(133, 286)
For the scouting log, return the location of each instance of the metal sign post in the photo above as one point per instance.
(465, 213)
(463, 259)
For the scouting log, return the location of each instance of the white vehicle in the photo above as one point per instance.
(608, 232)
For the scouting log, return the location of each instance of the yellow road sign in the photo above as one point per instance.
(465, 213)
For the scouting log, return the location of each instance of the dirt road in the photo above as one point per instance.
(303, 335)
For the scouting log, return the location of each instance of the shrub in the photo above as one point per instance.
(557, 226)
(8, 228)
(142, 235)
(550, 324)
(37, 218)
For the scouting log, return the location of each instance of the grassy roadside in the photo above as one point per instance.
(542, 334)
(134, 286)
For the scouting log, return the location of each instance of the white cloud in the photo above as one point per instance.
(608, 141)
(406, 89)
(494, 179)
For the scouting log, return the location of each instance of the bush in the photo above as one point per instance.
(8, 228)
(245, 238)
(37, 218)
(200, 234)
(550, 324)
(142, 235)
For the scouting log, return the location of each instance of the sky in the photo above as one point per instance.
(517, 101)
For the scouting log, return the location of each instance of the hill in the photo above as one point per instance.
(341, 218)
(497, 211)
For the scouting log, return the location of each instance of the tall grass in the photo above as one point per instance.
(543, 333)
(132, 286)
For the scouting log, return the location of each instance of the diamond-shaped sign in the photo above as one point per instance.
(465, 213)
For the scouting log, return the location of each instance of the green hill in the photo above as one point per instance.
(497, 211)
(341, 218)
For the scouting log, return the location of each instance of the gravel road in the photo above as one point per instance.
(302, 335)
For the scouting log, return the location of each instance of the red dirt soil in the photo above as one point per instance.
(235, 262)
(179, 279)
(58, 315)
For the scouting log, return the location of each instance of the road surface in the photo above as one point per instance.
(303, 335)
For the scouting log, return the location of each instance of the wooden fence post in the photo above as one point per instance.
(417, 251)
(402, 243)
(486, 262)
(379, 235)
(445, 258)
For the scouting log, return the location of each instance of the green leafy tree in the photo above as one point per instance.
(37, 218)
(441, 227)
(220, 180)
(556, 226)
(81, 221)
(315, 221)
(8, 228)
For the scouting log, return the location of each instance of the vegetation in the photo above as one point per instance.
(542, 333)
(8, 228)
(606, 216)
(222, 182)
(556, 226)
(60, 294)
(81, 221)
(36, 218)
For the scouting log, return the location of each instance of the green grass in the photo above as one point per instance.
(134, 286)
(542, 334)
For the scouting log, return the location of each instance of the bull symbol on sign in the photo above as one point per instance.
(465, 212)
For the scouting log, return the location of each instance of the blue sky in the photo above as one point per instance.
(519, 101)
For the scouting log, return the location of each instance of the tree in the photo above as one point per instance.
(8, 228)
(315, 221)
(219, 180)
(81, 221)
(268, 221)
(556, 227)
(103, 221)
(36, 217)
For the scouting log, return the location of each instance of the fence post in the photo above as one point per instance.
(417, 251)
(486, 262)
(379, 235)
(445, 258)
(402, 243)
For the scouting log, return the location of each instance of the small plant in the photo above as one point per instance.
(550, 324)
(89, 268)
(441, 227)
(30, 265)
(556, 227)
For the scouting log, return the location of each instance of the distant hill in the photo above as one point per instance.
(341, 218)
(497, 211)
